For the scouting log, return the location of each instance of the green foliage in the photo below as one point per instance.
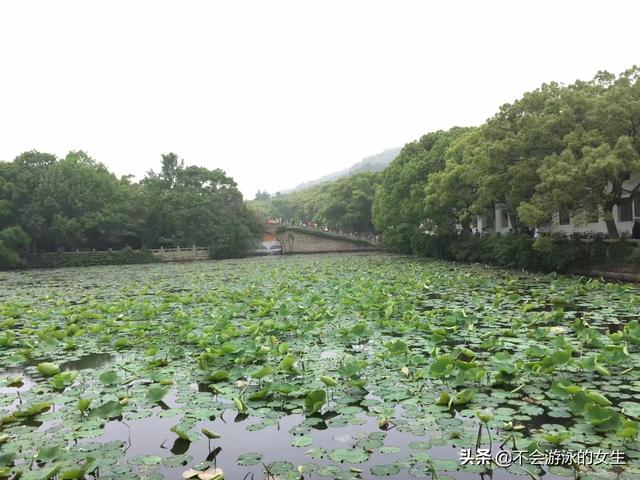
(210, 434)
(344, 204)
(48, 369)
(49, 204)
(110, 377)
(261, 196)
(83, 259)
(69, 203)
(546, 253)
(84, 404)
(597, 146)
(314, 401)
(196, 206)
(556, 148)
(156, 393)
(110, 409)
(12, 239)
(450, 193)
(398, 208)
(620, 252)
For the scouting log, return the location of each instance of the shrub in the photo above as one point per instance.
(85, 259)
(234, 242)
(12, 240)
(436, 246)
(620, 252)
(556, 252)
(402, 238)
(598, 251)
(546, 253)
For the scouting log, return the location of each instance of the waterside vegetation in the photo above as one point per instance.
(342, 366)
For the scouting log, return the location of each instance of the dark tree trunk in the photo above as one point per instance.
(613, 199)
(612, 228)
(466, 228)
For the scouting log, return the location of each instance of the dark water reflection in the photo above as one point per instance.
(30, 377)
(152, 436)
(92, 360)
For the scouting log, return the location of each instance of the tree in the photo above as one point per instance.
(514, 143)
(195, 206)
(399, 204)
(262, 195)
(588, 174)
(78, 203)
(346, 203)
(12, 240)
(343, 204)
(450, 193)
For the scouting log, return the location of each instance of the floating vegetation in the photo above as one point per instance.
(332, 366)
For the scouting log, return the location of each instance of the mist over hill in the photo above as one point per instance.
(373, 163)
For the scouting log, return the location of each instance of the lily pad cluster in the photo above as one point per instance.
(330, 366)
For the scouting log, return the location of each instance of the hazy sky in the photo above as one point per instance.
(280, 92)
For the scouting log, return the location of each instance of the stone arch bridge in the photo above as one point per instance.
(277, 238)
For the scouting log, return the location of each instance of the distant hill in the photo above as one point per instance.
(374, 163)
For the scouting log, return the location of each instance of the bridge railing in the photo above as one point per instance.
(179, 249)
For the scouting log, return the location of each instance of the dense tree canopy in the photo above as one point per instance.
(587, 171)
(399, 203)
(556, 148)
(193, 206)
(451, 192)
(344, 204)
(72, 203)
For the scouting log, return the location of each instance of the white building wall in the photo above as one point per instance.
(577, 225)
(479, 224)
(497, 225)
(501, 220)
(597, 227)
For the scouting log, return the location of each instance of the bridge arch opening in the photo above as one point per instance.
(270, 243)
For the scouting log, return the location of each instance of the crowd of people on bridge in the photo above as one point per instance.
(315, 226)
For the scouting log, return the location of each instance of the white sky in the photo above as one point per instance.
(279, 92)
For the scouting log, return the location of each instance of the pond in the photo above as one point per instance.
(344, 366)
